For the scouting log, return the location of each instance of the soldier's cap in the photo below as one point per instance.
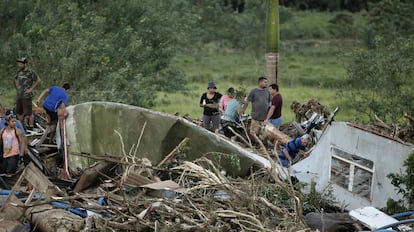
(22, 60)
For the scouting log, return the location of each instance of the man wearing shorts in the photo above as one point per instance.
(260, 98)
(26, 82)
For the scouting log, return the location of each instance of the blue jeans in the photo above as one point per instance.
(284, 160)
(276, 122)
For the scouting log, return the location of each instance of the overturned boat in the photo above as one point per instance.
(118, 129)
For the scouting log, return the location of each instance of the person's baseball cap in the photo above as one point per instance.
(211, 85)
(10, 117)
(22, 60)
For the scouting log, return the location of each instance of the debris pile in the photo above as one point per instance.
(312, 111)
(132, 195)
(304, 111)
(124, 193)
(401, 133)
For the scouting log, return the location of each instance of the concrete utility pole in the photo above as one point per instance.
(272, 41)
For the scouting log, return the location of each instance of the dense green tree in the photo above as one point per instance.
(219, 24)
(390, 19)
(342, 26)
(114, 51)
(381, 80)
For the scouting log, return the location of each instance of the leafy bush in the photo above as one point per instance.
(389, 19)
(404, 182)
(380, 81)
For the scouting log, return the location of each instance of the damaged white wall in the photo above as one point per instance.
(355, 164)
(91, 129)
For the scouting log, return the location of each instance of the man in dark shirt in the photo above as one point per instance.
(274, 115)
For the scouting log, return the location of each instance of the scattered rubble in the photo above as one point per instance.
(128, 194)
(401, 133)
(195, 196)
(313, 111)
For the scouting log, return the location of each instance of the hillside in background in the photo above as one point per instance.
(161, 54)
(312, 65)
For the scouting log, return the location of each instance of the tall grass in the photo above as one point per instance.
(305, 72)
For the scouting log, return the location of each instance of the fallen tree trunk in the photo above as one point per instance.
(276, 135)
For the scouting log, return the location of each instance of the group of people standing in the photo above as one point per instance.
(266, 104)
(12, 127)
(226, 109)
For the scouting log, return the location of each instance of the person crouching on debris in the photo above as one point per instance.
(10, 138)
(292, 148)
(55, 103)
(230, 118)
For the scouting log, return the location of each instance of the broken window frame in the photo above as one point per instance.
(352, 167)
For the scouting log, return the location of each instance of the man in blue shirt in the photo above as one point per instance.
(292, 148)
(55, 102)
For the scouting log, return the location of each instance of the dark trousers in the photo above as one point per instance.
(226, 125)
(10, 164)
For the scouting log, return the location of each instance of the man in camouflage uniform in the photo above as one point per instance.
(26, 82)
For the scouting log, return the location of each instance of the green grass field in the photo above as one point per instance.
(305, 72)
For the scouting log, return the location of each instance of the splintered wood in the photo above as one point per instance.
(187, 196)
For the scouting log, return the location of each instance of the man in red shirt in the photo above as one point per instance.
(274, 114)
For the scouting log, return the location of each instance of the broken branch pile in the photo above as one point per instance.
(195, 196)
(399, 132)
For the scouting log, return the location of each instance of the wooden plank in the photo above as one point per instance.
(11, 208)
(39, 181)
(30, 197)
(137, 179)
(34, 158)
(174, 152)
(45, 134)
(91, 175)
